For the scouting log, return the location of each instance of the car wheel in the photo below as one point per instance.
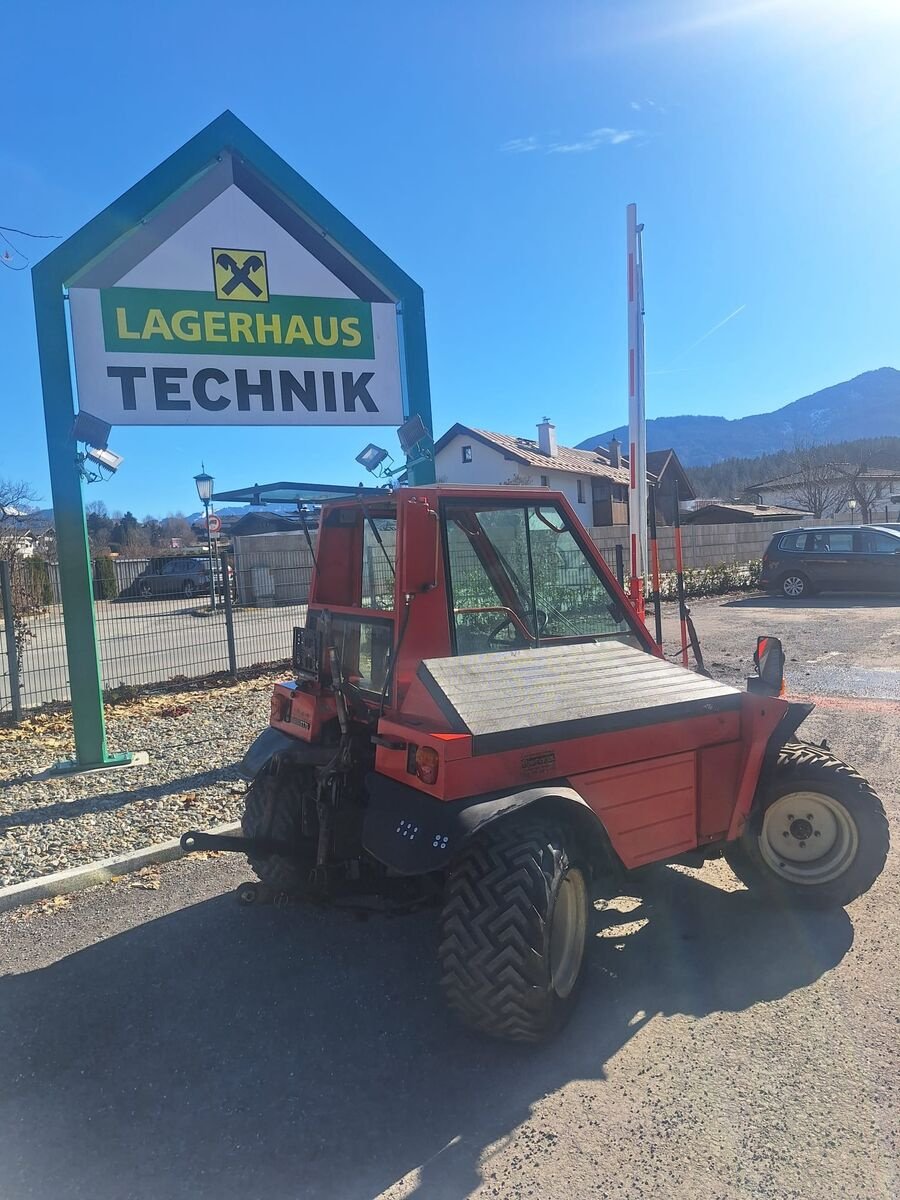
(146, 590)
(795, 586)
(188, 589)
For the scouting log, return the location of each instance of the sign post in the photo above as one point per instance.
(637, 423)
(222, 289)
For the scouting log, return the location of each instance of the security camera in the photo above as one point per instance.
(104, 458)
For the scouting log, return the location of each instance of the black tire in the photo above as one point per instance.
(189, 589)
(502, 905)
(848, 868)
(272, 810)
(794, 585)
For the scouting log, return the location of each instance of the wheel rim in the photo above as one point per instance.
(189, 589)
(793, 586)
(567, 933)
(146, 589)
(808, 838)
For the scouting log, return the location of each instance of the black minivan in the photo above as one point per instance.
(832, 558)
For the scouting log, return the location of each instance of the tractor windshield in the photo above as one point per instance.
(520, 577)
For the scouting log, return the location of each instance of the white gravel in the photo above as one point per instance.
(194, 739)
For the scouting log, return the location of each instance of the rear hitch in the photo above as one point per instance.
(261, 847)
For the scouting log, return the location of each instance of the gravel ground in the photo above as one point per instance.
(194, 740)
(163, 1041)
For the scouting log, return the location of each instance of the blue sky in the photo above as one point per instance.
(491, 149)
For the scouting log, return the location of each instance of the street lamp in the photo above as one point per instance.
(204, 484)
(851, 504)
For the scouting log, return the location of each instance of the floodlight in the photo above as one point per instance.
(411, 432)
(92, 430)
(372, 457)
(104, 458)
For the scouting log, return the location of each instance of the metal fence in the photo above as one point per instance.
(148, 639)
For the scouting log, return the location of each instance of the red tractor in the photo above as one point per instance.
(479, 720)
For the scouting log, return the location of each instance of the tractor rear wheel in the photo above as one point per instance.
(272, 809)
(817, 836)
(514, 930)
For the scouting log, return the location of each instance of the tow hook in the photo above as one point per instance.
(260, 847)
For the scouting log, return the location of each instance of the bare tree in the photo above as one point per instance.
(865, 491)
(816, 486)
(16, 499)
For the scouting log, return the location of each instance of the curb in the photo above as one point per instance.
(91, 874)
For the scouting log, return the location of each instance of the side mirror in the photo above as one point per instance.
(769, 662)
(419, 547)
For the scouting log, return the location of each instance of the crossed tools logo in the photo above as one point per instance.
(240, 274)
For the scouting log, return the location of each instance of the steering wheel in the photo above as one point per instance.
(519, 639)
(498, 629)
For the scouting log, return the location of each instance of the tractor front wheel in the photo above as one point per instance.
(817, 836)
(514, 930)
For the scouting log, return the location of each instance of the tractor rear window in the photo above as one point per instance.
(520, 577)
(379, 549)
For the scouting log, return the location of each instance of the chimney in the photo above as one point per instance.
(547, 438)
(615, 446)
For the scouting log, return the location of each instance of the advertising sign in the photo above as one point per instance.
(233, 321)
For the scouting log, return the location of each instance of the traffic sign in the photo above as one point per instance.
(214, 523)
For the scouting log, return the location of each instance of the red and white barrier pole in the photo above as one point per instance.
(637, 425)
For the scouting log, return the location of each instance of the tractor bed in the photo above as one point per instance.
(518, 698)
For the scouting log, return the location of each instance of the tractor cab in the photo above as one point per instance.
(440, 572)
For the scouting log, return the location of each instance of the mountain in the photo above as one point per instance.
(867, 406)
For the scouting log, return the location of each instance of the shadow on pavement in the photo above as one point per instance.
(832, 600)
(227, 1053)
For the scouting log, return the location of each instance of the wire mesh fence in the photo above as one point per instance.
(158, 621)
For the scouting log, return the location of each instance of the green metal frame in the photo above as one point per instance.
(61, 269)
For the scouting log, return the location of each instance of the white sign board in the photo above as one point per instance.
(231, 320)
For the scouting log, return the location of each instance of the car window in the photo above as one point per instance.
(792, 541)
(832, 541)
(879, 543)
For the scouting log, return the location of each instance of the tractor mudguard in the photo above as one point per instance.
(795, 714)
(414, 833)
(271, 742)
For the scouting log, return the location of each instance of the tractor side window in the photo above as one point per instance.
(379, 550)
(487, 551)
(572, 600)
(364, 651)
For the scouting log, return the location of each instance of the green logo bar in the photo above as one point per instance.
(148, 321)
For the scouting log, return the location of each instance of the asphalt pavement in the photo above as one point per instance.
(170, 1043)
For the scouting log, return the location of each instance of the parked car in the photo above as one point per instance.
(860, 558)
(182, 576)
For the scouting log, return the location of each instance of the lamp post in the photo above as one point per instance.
(204, 484)
(851, 504)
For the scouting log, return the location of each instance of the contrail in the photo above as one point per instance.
(709, 333)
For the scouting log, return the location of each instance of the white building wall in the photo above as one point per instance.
(490, 466)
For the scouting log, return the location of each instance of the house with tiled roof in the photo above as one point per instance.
(595, 482)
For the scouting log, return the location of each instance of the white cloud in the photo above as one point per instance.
(520, 145)
(594, 140)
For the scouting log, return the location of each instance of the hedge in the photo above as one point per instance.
(106, 584)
